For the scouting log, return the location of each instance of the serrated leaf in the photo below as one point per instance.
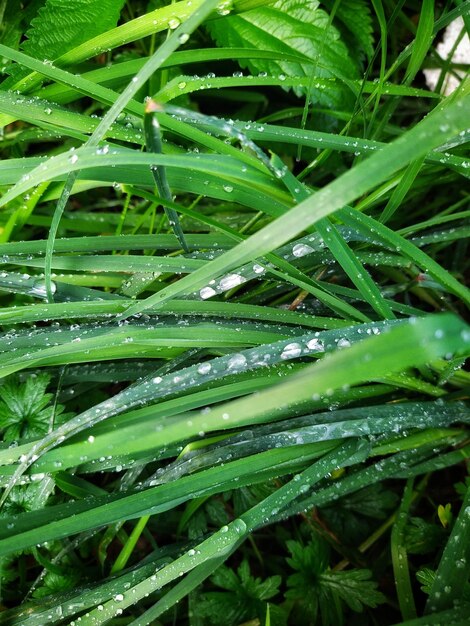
(55, 583)
(373, 501)
(351, 518)
(354, 587)
(226, 578)
(426, 577)
(62, 25)
(24, 410)
(422, 537)
(314, 587)
(245, 596)
(294, 27)
(216, 513)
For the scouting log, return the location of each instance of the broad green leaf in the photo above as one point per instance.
(63, 25)
(354, 21)
(291, 26)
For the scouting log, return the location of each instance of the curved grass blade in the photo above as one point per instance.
(154, 144)
(400, 556)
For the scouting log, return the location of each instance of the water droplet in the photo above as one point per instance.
(224, 8)
(39, 288)
(230, 281)
(236, 361)
(228, 188)
(207, 292)
(204, 368)
(183, 38)
(301, 249)
(316, 344)
(174, 23)
(291, 351)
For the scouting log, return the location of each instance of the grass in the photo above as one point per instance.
(233, 390)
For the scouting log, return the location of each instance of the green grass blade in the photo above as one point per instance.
(400, 556)
(154, 144)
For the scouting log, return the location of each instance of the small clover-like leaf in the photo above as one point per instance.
(244, 599)
(317, 589)
(55, 583)
(25, 408)
(354, 587)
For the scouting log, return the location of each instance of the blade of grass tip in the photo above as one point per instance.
(401, 189)
(125, 554)
(428, 134)
(423, 40)
(268, 615)
(400, 556)
(179, 37)
(153, 141)
(454, 567)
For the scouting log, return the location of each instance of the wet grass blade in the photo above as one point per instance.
(153, 141)
(400, 557)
